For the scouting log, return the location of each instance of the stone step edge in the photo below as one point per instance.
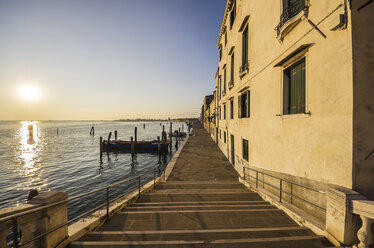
(258, 229)
(194, 203)
(218, 241)
(201, 206)
(203, 211)
(201, 192)
(199, 182)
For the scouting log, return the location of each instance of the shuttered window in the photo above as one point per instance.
(232, 68)
(245, 149)
(244, 105)
(245, 47)
(232, 109)
(224, 111)
(233, 14)
(294, 88)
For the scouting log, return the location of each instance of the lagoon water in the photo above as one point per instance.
(70, 160)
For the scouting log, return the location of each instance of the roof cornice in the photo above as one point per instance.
(223, 24)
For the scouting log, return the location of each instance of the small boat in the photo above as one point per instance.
(121, 145)
(181, 134)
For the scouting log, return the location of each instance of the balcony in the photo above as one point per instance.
(244, 69)
(291, 17)
(231, 84)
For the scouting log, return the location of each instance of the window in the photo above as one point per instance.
(225, 38)
(245, 47)
(232, 109)
(220, 52)
(232, 69)
(294, 88)
(220, 87)
(224, 137)
(233, 14)
(244, 104)
(224, 80)
(245, 149)
(220, 113)
(224, 111)
(292, 8)
(220, 134)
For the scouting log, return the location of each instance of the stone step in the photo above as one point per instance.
(207, 234)
(201, 191)
(202, 185)
(200, 203)
(197, 219)
(183, 197)
(200, 207)
(310, 241)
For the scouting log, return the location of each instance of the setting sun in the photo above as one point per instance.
(29, 93)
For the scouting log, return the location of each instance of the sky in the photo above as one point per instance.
(107, 59)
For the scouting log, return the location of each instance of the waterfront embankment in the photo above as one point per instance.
(202, 204)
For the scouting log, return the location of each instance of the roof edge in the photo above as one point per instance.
(222, 29)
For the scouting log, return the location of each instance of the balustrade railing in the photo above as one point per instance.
(290, 12)
(14, 217)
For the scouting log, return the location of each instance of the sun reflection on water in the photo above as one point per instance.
(28, 154)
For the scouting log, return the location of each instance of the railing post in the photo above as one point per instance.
(107, 203)
(364, 233)
(256, 179)
(15, 233)
(139, 187)
(291, 193)
(280, 190)
(154, 179)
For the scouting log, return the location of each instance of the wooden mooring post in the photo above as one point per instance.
(57, 131)
(132, 146)
(176, 139)
(92, 131)
(182, 128)
(158, 145)
(136, 134)
(109, 136)
(115, 134)
(101, 147)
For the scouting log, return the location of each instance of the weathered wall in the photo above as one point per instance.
(363, 98)
(316, 146)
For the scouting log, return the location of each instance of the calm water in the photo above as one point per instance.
(69, 161)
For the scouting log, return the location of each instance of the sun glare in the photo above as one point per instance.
(29, 93)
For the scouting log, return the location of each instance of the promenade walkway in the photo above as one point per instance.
(202, 204)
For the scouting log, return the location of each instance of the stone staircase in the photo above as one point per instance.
(201, 214)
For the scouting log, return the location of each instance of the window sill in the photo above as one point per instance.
(295, 116)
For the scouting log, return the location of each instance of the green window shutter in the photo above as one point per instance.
(303, 90)
(248, 103)
(240, 106)
(297, 88)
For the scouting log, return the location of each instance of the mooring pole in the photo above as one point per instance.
(57, 131)
(158, 145)
(115, 134)
(182, 127)
(132, 146)
(110, 135)
(101, 146)
(136, 134)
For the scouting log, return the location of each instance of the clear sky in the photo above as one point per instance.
(107, 59)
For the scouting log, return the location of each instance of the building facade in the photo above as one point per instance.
(294, 92)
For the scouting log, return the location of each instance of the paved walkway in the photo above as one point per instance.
(201, 205)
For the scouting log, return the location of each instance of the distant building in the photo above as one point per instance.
(294, 92)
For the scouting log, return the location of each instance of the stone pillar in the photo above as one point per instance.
(341, 224)
(51, 217)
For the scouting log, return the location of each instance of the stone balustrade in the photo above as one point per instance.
(365, 209)
(33, 224)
